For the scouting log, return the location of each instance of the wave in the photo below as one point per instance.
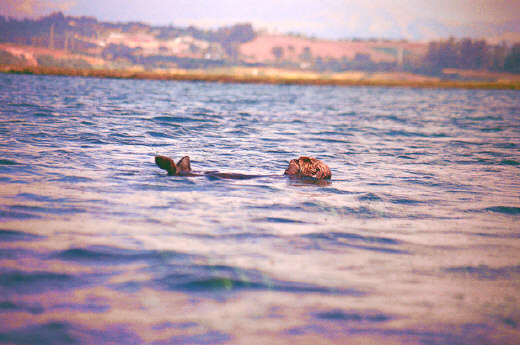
(73, 179)
(8, 306)
(352, 316)
(64, 332)
(40, 198)
(58, 210)
(509, 210)
(279, 220)
(509, 162)
(10, 214)
(35, 282)
(369, 197)
(371, 243)
(216, 280)
(8, 162)
(485, 272)
(177, 119)
(106, 255)
(408, 134)
(158, 134)
(12, 235)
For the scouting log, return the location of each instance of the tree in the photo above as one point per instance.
(498, 57)
(512, 62)
(474, 54)
(466, 58)
(464, 54)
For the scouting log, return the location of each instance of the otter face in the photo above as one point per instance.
(308, 166)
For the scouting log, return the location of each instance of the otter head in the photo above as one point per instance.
(169, 165)
(308, 166)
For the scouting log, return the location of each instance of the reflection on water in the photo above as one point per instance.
(413, 241)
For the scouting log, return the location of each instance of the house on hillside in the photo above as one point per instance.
(146, 44)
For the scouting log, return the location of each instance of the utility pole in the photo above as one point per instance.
(51, 37)
(400, 57)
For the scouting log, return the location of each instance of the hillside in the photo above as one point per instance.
(59, 41)
(128, 44)
(303, 51)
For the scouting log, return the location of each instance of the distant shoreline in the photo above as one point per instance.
(260, 79)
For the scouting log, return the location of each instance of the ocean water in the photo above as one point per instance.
(415, 240)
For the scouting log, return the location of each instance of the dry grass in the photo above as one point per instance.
(303, 79)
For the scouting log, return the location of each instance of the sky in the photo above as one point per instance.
(422, 20)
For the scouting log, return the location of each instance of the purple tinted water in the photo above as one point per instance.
(415, 240)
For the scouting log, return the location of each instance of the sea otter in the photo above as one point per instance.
(303, 166)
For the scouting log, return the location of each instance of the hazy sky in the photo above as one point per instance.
(411, 19)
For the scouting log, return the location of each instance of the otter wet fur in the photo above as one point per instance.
(303, 166)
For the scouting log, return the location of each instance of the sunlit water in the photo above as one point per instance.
(415, 240)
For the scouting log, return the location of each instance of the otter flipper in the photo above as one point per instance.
(166, 163)
(184, 164)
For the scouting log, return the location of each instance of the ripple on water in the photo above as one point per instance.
(369, 197)
(352, 316)
(509, 162)
(361, 212)
(72, 179)
(159, 134)
(41, 198)
(12, 235)
(10, 213)
(69, 333)
(17, 253)
(485, 272)
(177, 119)
(91, 138)
(106, 255)
(404, 201)
(509, 210)
(8, 162)
(220, 280)
(280, 220)
(20, 282)
(8, 306)
(173, 271)
(58, 210)
(323, 241)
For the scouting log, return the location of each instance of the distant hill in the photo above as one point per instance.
(306, 52)
(126, 43)
(84, 42)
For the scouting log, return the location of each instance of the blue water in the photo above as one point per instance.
(415, 240)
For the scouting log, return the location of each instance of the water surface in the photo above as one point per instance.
(415, 240)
